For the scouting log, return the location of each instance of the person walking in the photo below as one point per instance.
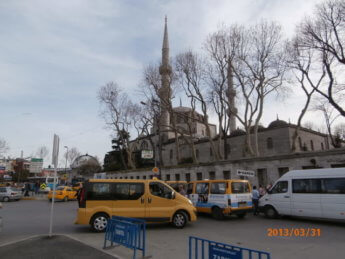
(255, 197)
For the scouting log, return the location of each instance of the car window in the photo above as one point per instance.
(202, 188)
(128, 191)
(280, 187)
(218, 188)
(306, 186)
(160, 190)
(239, 187)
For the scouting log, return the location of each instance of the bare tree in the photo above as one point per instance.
(151, 88)
(3, 147)
(330, 115)
(118, 114)
(308, 73)
(324, 33)
(71, 155)
(259, 68)
(42, 152)
(190, 69)
(339, 130)
(221, 46)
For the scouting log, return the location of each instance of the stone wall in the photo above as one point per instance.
(275, 166)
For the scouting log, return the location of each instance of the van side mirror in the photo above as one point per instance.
(173, 195)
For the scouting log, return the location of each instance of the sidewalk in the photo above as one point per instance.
(57, 247)
(40, 196)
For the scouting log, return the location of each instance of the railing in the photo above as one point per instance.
(128, 232)
(207, 249)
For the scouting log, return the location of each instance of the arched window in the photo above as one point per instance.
(197, 153)
(311, 145)
(322, 147)
(269, 143)
(211, 152)
(171, 154)
(300, 143)
(144, 146)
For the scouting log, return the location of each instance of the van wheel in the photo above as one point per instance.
(241, 215)
(99, 222)
(270, 212)
(179, 220)
(217, 213)
(6, 199)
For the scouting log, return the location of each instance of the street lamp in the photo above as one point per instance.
(66, 160)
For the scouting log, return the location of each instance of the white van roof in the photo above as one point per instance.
(317, 173)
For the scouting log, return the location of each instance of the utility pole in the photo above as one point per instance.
(66, 161)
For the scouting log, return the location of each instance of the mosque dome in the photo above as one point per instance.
(277, 124)
(84, 159)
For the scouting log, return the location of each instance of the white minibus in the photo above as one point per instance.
(315, 193)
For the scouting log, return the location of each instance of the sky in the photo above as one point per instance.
(55, 55)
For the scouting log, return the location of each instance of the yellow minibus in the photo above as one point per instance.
(221, 197)
(152, 200)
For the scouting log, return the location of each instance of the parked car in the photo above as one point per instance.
(10, 194)
(63, 193)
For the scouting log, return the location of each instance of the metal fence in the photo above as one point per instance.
(128, 232)
(200, 248)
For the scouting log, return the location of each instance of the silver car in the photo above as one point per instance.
(10, 194)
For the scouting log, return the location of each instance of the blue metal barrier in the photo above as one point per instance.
(128, 232)
(207, 249)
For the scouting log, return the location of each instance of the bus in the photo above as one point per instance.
(45, 181)
(221, 197)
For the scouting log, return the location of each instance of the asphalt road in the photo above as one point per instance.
(27, 218)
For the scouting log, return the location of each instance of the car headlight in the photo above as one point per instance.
(190, 201)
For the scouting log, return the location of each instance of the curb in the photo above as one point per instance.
(34, 198)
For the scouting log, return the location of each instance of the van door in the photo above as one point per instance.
(306, 197)
(280, 197)
(129, 200)
(160, 202)
(333, 198)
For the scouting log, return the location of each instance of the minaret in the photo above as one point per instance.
(165, 91)
(231, 98)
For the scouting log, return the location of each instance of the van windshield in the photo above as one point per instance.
(239, 187)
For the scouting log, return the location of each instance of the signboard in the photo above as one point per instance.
(216, 251)
(246, 173)
(147, 154)
(36, 165)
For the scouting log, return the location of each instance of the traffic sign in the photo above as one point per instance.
(155, 170)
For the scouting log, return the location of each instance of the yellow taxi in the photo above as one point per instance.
(77, 186)
(151, 200)
(63, 193)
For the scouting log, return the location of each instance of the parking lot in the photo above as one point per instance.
(29, 217)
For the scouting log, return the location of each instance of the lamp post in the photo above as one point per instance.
(157, 132)
(66, 160)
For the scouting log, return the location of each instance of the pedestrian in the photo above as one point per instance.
(268, 187)
(181, 190)
(255, 198)
(27, 189)
(79, 194)
(37, 187)
(262, 191)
